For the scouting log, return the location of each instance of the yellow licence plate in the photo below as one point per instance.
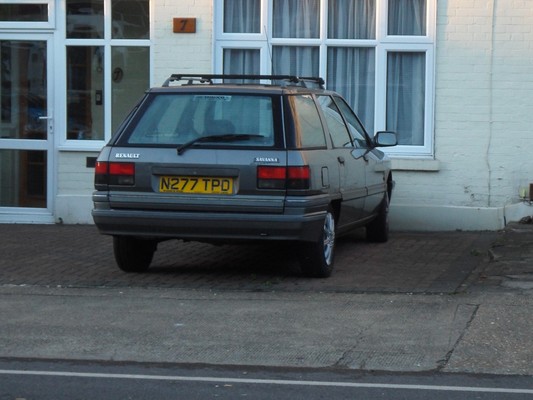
(196, 184)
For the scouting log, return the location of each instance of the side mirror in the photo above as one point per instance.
(385, 139)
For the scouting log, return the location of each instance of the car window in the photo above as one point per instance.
(307, 124)
(356, 129)
(179, 118)
(336, 126)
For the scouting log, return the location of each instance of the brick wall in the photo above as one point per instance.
(483, 112)
(182, 52)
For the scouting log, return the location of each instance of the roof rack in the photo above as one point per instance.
(285, 80)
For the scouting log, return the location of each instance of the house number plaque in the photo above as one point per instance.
(184, 25)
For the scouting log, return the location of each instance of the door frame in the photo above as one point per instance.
(30, 214)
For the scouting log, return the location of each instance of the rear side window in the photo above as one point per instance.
(336, 126)
(308, 130)
(357, 131)
(175, 119)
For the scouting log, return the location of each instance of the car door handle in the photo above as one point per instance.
(340, 159)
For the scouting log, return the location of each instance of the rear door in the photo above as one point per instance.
(374, 175)
(351, 163)
(222, 139)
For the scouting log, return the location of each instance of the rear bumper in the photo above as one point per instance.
(209, 226)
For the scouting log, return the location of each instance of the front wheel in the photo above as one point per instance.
(316, 258)
(132, 254)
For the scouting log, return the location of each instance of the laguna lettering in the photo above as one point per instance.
(127, 155)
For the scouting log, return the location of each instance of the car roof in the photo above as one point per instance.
(280, 84)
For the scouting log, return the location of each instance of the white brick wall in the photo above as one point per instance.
(182, 52)
(483, 114)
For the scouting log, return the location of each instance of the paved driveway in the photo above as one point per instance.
(78, 256)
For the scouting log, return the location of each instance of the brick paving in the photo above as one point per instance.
(78, 256)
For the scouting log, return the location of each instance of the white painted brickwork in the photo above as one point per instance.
(483, 118)
(182, 52)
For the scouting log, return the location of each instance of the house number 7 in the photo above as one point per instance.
(184, 25)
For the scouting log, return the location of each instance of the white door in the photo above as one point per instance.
(26, 128)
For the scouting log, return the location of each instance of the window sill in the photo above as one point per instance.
(405, 164)
(87, 147)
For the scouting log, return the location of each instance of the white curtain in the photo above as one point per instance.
(295, 60)
(242, 16)
(351, 72)
(352, 19)
(242, 61)
(407, 17)
(296, 19)
(406, 79)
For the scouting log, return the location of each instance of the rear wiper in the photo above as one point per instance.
(216, 138)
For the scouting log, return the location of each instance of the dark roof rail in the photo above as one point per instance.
(286, 80)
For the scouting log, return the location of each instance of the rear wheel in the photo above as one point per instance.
(132, 254)
(316, 259)
(378, 229)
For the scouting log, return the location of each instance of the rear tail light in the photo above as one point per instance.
(114, 173)
(273, 177)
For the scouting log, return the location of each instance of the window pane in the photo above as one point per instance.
(351, 73)
(406, 76)
(177, 119)
(23, 178)
(23, 92)
(242, 61)
(85, 19)
(130, 78)
(336, 127)
(407, 17)
(296, 19)
(308, 127)
(242, 16)
(357, 131)
(130, 19)
(294, 60)
(352, 19)
(85, 84)
(24, 12)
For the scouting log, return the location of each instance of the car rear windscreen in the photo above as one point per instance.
(174, 119)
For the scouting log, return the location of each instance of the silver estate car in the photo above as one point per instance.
(220, 158)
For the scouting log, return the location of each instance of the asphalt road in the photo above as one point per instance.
(55, 380)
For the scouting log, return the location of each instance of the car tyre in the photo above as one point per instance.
(378, 229)
(316, 258)
(132, 254)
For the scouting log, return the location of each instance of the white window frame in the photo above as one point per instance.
(107, 43)
(383, 44)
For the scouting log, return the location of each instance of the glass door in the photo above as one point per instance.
(26, 128)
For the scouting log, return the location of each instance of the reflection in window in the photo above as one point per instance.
(24, 12)
(130, 72)
(308, 130)
(23, 178)
(130, 19)
(336, 127)
(351, 72)
(295, 60)
(352, 19)
(296, 19)
(85, 84)
(85, 19)
(407, 17)
(406, 76)
(242, 16)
